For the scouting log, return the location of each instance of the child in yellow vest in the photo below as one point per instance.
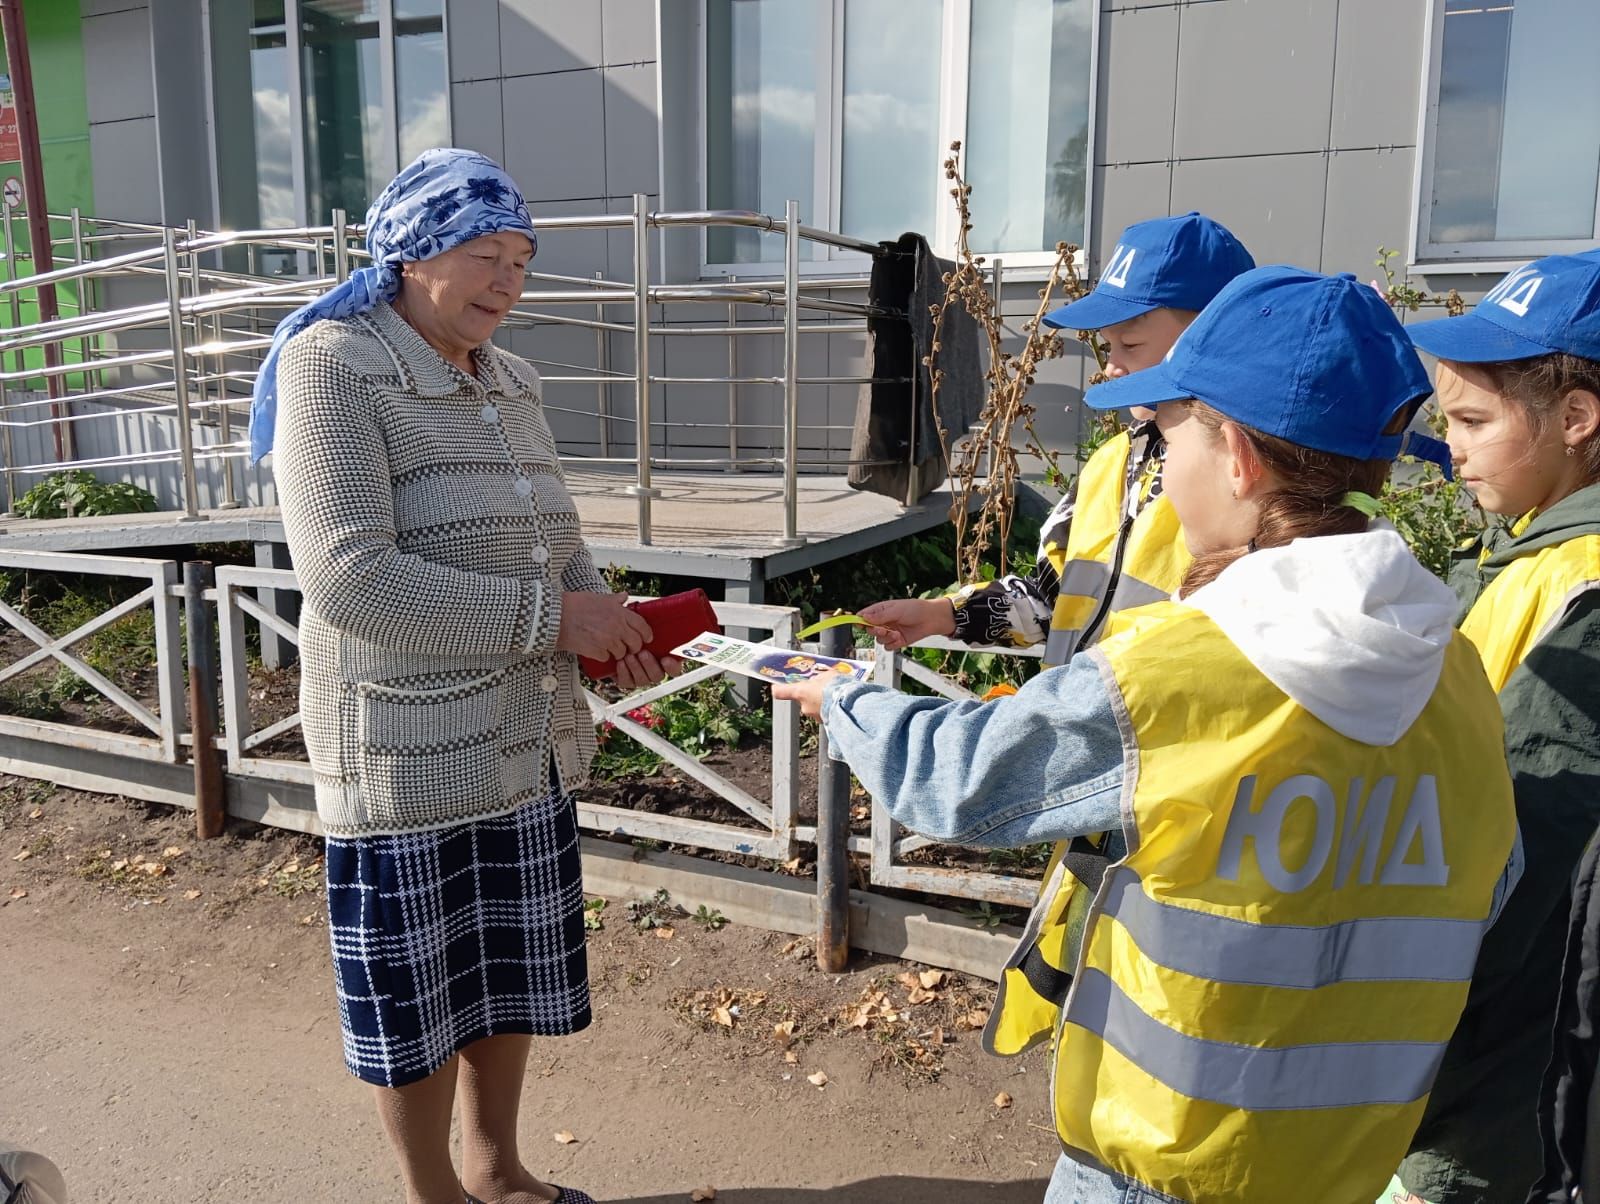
(1299, 764)
(1519, 381)
(1110, 543)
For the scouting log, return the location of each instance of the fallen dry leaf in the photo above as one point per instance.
(664, 933)
(700, 1194)
(22, 856)
(172, 850)
(309, 920)
(19, 893)
(154, 869)
(191, 894)
(976, 1018)
(783, 1033)
(820, 1079)
(35, 813)
(916, 995)
(930, 979)
(566, 1138)
(1003, 1100)
(119, 864)
(792, 1058)
(292, 868)
(721, 1015)
(792, 866)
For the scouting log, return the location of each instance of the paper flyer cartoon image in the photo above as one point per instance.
(766, 663)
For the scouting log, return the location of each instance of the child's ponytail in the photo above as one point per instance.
(1311, 499)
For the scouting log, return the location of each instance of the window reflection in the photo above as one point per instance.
(1517, 144)
(1028, 122)
(420, 72)
(340, 71)
(891, 170)
(761, 105)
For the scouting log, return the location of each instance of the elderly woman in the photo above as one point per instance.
(447, 587)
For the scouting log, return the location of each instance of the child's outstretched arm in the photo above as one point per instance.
(1043, 764)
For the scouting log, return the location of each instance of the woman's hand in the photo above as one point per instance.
(807, 693)
(600, 626)
(907, 620)
(641, 670)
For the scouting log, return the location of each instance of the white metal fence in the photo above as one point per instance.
(769, 827)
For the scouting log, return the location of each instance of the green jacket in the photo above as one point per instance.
(1479, 1138)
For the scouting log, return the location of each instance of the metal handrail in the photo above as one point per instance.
(217, 321)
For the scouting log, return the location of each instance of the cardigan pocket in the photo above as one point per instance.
(430, 756)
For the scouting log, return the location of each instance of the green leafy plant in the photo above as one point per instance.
(77, 493)
(594, 914)
(709, 918)
(984, 915)
(654, 912)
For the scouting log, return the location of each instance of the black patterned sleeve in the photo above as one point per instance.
(1016, 609)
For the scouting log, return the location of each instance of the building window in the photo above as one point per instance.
(1512, 130)
(849, 107)
(319, 102)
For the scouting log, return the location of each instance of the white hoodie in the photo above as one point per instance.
(1351, 627)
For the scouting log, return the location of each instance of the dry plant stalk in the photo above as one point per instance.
(1006, 385)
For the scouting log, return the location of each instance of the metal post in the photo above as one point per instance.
(6, 454)
(1000, 313)
(791, 372)
(180, 371)
(833, 837)
(602, 367)
(733, 389)
(641, 361)
(230, 495)
(341, 246)
(200, 623)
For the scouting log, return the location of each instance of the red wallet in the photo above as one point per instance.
(674, 621)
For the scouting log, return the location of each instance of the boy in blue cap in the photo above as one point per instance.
(1519, 381)
(1311, 822)
(1110, 543)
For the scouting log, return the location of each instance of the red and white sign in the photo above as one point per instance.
(10, 140)
(11, 192)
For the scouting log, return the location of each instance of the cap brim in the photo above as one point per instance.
(1152, 387)
(1471, 339)
(1096, 311)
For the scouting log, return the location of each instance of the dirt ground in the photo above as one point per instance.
(169, 1034)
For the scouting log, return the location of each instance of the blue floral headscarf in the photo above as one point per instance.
(444, 198)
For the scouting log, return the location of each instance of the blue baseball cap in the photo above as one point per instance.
(1319, 361)
(1548, 306)
(1181, 262)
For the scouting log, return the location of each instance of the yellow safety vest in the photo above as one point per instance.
(1120, 552)
(1527, 600)
(1117, 534)
(1270, 976)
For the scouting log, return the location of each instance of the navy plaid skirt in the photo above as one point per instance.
(442, 938)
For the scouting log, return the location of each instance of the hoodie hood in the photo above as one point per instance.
(1351, 627)
(1574, 515)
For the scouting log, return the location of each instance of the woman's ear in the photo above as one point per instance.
(1244, 467)
(1580, 417)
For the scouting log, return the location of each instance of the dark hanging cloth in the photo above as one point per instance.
(896, 411)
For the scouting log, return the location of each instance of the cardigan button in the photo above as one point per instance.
(489, 414)
(523, 487)
(549, 685)
(540, 555)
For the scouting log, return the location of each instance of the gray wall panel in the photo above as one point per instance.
(1255, 77)
(475, 117)
(119, 77)
(555, 135)
(548, 35)
(1122, 196)
(1369, 202)
(1138, 62)
(568, 252)
(632, 133)
(473, 32)
(126, 184)
(628, 31)
(1274, 204)
(1377, 78)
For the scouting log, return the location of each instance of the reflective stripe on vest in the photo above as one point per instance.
(1270, 977)
(1256, 1078)
(1527, 600)
(1153, 559)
